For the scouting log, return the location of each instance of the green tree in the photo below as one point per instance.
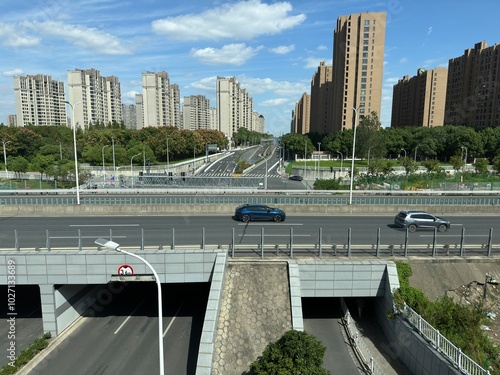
(481, 165)
(43, 164)
(18, 165)
(457, 162)
(496, 164)
(432, 166)
(295, 353)
(409, 164)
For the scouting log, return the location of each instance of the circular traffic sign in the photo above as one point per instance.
(125, 269)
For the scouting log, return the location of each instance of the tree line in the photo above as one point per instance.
(417, 143)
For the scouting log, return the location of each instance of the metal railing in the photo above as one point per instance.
(239, 199)
(454, 354)
(358, 343)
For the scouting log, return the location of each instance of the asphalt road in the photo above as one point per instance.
(122, 338)
(322, 319)
(188, 230)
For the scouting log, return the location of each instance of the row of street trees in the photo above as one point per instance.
(417, 143)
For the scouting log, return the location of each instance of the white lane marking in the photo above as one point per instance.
(172, 321)
(104, 225)
(260, 223)
(128, 317)
(275, 235)
(73, 237)
(455, 235)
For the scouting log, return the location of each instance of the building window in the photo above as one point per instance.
(365, 61)
(362, 98)
(365, 54)
(365, 41)
(367, 22)
(365, 48)
(363, 85)
(364, 67)
(366, 35)
(363, 79)
(363, 92)
(363, 74)
(367, 28)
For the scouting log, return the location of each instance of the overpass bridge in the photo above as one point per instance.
(71, 282)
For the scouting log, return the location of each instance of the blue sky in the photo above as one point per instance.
(271, 47)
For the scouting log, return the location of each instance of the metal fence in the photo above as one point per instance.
(270, 199)
(460, 360)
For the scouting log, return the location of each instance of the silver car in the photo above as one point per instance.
(413, 220)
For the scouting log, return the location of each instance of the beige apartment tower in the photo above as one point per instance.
(358, 64)
(420, 100)
(321, 100)
(196, 112)
(95, 98)
(473, 90)
(161, 104)
(234, 107)
(39, 101)
(302, 115)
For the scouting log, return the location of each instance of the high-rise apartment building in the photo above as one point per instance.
(139, 112)
(196, 112)
(302, 115)
(321, 100)
(161, 104)
(234, 107)
(258, 122)
(11, 120)
(39, 101)
(473, 91)
(129, 114)
(358, 62)
(420, 100)
(95, 98)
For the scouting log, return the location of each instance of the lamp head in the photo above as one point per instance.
(107, 244)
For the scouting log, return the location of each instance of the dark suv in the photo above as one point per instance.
(413, 219)
(248, 212)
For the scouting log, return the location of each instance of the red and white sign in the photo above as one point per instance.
(125, 269)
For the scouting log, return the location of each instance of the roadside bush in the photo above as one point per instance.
(27, 355)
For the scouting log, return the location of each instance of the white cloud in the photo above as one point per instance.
(13, 72)
(14, 36)
(281, 88)
(88, 38)
(243, 20)
(29, 34)
(282, 50)
(429, 31)
(129, 96)
(322, 48)
(274, 102)
(232, 54)
(404, 60)
(313, 62)
(205, 84)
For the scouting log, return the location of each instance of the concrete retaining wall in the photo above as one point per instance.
(217, 209)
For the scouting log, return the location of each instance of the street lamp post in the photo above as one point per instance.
(5, 158)
(353, 153)
(416, 152)
(404, 151)
(319, 158)
(60, 150)
(131, 168)
(341, 160)
(265, 178)
(465, 159)
(103, 168)
(369, 149)
(114, 160)
(168, 158)
(305, 153)
(74, 146)
(114, 246)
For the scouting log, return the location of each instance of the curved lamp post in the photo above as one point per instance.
(103, 168)
(131, 167)
(353, 152)
(114, 246)
(74, 146)
(5, 159)
(341, 160)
